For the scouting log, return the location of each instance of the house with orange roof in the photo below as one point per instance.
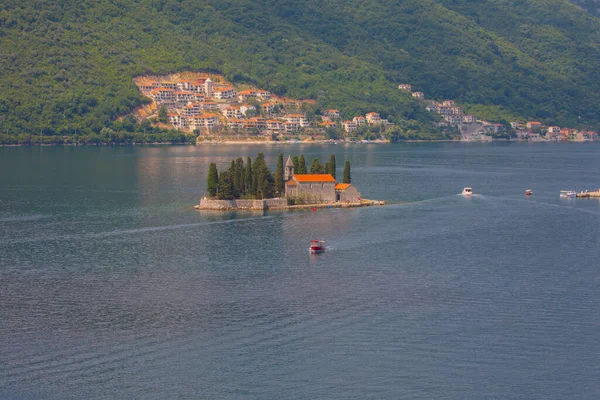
(534, 125)
(263, 94)
(209, 105)
(205, 121)
(291, 126)
(360, 120)
(373, 118)
(235, 123)
(244, 108)
(244, 95)
(191, 109)
(233, 112)
(317, 188)
(299, 119)
(162, 94)
(224, 93)
(274, 125)
(255, 123)
(328, 125)
(349, 126)
(268, 107)
(333, 114)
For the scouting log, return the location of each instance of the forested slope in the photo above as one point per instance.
(68, 67)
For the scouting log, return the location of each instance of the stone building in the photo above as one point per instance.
(346, 193)
(317, 188)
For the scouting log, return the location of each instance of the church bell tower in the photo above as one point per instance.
(289, 169)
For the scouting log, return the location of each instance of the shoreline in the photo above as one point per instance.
(275, 142)
(225, 205)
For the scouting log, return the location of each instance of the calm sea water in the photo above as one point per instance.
(112, 286)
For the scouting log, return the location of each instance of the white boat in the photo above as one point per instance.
(467, 191)
(568, 193)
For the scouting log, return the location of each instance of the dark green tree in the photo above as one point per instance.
(212, 180)
(296, 164)
(331, 167)
(238, 178)
(347, 176)
(316, 167)
(262, 180)
(279, 175)
(162, 114)
(301, 165)
(248, 175)
(225, 186)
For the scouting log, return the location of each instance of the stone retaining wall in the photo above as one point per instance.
(211, 204)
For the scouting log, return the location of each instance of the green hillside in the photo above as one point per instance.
(67, 68)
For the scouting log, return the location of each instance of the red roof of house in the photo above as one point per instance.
(314, 178)
(342, 186)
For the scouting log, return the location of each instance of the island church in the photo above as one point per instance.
(317, 188)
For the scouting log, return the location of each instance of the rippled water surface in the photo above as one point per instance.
(112, 286)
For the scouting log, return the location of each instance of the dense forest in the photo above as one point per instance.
(67, 67)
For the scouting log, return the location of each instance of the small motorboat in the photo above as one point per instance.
(467, 191)
(568, 193)
(528, 192)
(317, 246)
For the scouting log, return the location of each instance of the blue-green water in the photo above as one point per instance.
(112, 286)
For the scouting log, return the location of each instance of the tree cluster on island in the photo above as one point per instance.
(254, 180)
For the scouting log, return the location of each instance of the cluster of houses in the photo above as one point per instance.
(206, 105)
(536, 131)
(450, 112)
(330, 118)
(533, 130)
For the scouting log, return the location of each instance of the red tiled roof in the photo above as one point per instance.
(342, 186)
(314, 178)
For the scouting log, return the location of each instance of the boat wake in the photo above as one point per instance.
(147, 229)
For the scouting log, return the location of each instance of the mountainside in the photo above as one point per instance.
(593, 6)
(68, 67)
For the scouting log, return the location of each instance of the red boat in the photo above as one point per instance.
(528, 192)
(317, 246)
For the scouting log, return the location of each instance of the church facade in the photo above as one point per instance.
(317, 188)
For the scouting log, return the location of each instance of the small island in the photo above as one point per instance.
(251, 186)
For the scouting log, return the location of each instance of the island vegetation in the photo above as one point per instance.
(254, 180)
(67, 68)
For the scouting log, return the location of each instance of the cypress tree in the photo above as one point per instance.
(296, 164)
(316, 167)
(262, 181)
(279, 175)
(238, 179)
(257, 174)
(301, 165)
(331, 165)
(347, 177)
(248, 177)
(212, 180)
(226, 186)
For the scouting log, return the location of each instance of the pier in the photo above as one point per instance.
(595, 193)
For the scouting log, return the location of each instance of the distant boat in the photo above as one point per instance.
(467, 191)
(317, 246)
(567, 193)
(528, 192)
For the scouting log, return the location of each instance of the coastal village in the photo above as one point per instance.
(209, 106)
(474, 129)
